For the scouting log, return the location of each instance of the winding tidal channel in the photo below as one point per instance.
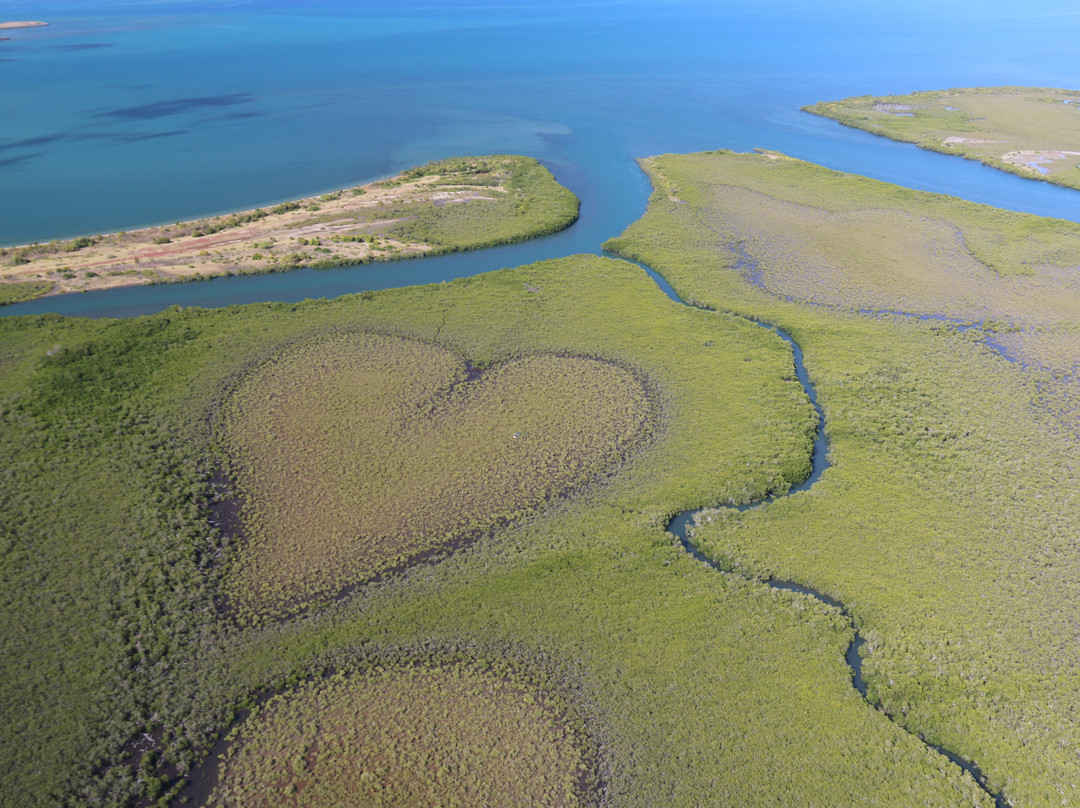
(680, 524)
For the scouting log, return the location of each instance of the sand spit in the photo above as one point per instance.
(342, 227)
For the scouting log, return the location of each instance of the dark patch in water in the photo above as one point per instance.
(151, 135)
(14, 161)
(40, 140)
(83, 46)
(178, 106)
(229, 116)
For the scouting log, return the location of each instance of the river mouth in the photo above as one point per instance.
(680, 527)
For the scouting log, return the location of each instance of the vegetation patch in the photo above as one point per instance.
(463, 203)
(807, 235)
(357, 452)
(452, 734)
(119, 673)
(946, 521)
(1030, 131)
(481, 202)
(24, 290)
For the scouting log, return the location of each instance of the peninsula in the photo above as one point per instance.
(1030, 131)
(444, 206)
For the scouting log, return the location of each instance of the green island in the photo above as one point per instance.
(658, 655)
(1030, 131)
(259, 552)
(462, 203)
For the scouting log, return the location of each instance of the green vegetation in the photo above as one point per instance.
(693, 686)
(452, 734)
(1030, 131)
(556, 416)
(359, 451)
(515, 198)
(77, 244)
(25, 290)
(808, 235)
(946, 523)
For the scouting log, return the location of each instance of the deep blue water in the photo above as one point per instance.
(126, 114)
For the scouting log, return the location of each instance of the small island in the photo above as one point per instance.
(8, 26)
(1030, 131)
(445, 206)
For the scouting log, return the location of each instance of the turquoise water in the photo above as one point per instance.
(126, 114)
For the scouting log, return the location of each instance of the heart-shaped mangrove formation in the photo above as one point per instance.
(357, 453)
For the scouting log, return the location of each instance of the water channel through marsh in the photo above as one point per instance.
(679, 526)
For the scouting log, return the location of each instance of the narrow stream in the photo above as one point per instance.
(679, 527)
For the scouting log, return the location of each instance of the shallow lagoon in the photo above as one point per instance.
(121, 114)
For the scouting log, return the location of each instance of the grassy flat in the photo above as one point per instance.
(939, 335)
(806, 235)
(449, 205)
(358, 452)
(447, 735)
(691, 685)
(945, 524)
(1030, 131)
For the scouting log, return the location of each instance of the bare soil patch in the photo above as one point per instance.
(1036, 160)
